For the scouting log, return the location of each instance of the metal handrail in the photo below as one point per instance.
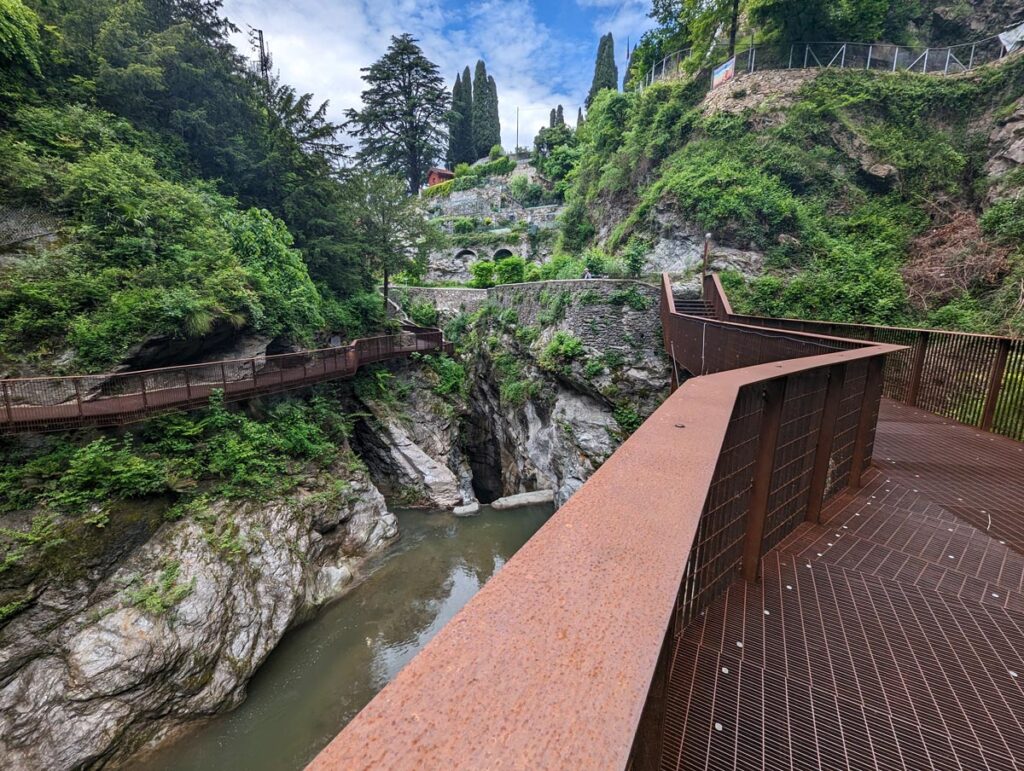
(975, 379)
(116, 398)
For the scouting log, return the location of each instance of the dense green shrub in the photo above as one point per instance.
(510, 270)
(482, 273)
(423, 313)
(563, 348)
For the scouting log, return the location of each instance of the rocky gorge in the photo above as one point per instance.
(165, 612)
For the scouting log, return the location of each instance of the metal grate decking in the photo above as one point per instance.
(890, 637)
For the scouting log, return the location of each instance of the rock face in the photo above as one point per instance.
(413, 447)
(537, 424)
(93, 670)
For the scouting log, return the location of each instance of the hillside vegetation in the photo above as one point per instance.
(189, 195)
(868, 195)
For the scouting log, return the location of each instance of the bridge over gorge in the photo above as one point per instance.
(61, 403)
(789, 565)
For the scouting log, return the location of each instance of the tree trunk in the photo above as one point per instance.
(735, 25)
(386, 277)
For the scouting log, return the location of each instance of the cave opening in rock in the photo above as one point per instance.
(484, 455)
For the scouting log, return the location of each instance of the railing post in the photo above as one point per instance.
(995, 384)
(790, 58)
(917, 368)
(188, 384)
(223, 379)
(870, 49)
(826, 436)
(764, 467)
(252, 365)
(970, 62)
(949, 54)
(872, 395)
(78, 396)
(895, 58)
(924, 69)
(142, 382)
(807, 51)
(7, 404)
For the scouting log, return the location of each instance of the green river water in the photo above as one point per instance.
(325, 671)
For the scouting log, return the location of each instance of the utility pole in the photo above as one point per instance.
(264, 63)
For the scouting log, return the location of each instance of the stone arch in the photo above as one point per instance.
(502, 253)
(466, 255)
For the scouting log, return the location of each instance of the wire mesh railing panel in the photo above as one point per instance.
(841, 461)
(717, 550)
(794, 455)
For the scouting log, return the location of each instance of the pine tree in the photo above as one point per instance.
(606, 71)
(402, 126)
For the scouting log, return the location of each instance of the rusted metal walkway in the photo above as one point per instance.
(780, 569)
(891, 636)
(61, 403)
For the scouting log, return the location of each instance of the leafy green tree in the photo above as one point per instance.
(866, 20)
(391, 224)
(403, 123)
(460, 126)
(606, 71)
(19, 37)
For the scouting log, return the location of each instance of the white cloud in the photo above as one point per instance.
(627, 20)
(320, 46)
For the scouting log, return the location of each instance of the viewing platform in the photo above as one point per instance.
(782, 568)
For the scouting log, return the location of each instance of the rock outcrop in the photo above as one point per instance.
(96, 668)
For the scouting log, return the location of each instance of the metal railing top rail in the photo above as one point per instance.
(768, 320)
(975, 379)
(260, 360)
(714, 57)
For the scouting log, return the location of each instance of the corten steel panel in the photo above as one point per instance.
(550, 664)
(60, 403)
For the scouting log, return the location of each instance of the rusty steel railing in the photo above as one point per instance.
(60, 403)
(559, 661)
(973, 379)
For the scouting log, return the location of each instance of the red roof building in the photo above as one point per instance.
(437, 176)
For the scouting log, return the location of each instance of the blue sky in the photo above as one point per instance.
(541, 52)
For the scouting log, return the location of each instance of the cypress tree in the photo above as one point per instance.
(606, 71)
(467, 151)
(493, 118)
(559, 116)
(579, 118)
(481, 111)
(454, 124)
(551, 119)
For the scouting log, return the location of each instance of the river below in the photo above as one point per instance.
(326, 670)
